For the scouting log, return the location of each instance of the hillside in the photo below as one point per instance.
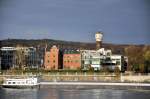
(116, 48)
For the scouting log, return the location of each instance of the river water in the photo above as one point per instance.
(64, 93)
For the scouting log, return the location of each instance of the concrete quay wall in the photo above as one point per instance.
(87, 78)
(135, 78)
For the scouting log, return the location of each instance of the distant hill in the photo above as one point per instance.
(116, 48)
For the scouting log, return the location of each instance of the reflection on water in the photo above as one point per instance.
(8, 93)
(48, 93)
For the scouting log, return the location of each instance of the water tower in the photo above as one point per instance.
(98, 37)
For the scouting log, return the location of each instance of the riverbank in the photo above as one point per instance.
(77, 77)
(84, 81)
(94, 85)
(99, 85)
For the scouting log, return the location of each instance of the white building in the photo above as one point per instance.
(101, 58)
(113, 61)
(94, 58)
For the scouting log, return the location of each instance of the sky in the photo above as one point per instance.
(121, 21)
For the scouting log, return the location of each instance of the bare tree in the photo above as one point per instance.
(20, 57)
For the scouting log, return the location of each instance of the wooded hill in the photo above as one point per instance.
(116, 48)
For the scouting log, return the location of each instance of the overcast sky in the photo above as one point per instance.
(121, 21)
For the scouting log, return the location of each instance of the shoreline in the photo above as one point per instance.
(90, 81)
(93, 85)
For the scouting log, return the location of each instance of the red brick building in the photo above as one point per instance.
(51, 61)
(71, 60)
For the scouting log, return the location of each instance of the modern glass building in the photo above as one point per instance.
(7, 57)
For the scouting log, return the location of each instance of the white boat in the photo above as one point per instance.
(20, 82)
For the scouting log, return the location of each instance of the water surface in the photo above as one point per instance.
(63, 93)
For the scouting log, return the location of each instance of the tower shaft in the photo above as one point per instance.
(98, 45)
(98, 38)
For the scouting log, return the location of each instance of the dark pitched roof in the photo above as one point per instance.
(71, 51)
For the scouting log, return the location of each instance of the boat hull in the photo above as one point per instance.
(20, 86)
(20, 82)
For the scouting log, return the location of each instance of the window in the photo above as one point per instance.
(76, 61)
(117, 62)
(53, 61)
(48, 61)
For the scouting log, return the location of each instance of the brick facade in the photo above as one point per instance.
(52, 59)
(71, 60)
